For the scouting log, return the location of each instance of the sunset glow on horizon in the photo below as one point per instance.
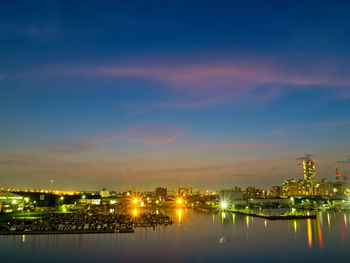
(207, 95)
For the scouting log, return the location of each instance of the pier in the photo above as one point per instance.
(274, 217)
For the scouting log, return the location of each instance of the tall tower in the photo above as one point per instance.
(309, 172)
(337, 175)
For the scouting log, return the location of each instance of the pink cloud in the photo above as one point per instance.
(72, 147)
(202, 84)
(242, 145)
(140, 134)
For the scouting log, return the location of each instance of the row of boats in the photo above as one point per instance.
(84, 223)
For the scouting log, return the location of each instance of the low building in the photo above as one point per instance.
(105, 193)
(161, 192)
(185, 191)
(296, 187)
(10, 202)
(331, 188)
(276, 191)
(252, 192)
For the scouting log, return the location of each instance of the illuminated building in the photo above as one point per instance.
(10, 202)
(276, 191)
(161, 192)
(330, 188)
(252, 192)
(309, 173)
(185, 191)
(305, 186)
(295, 187)
(104, 193)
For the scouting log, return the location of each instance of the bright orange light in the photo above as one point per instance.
(179, 201)
(135, 201)
(309, 232)
(179, 215)
(135, 212)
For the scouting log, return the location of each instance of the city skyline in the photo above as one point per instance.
(141, 95)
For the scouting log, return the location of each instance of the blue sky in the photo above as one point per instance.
(209, 93)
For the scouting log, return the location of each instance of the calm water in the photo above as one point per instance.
(195, 237)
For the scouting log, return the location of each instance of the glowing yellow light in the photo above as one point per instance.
(309, 232)
(135, 212)
(223, 205)
(179, 201)
(135, 201)
(179, 215)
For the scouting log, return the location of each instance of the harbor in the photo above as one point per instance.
(82, 223)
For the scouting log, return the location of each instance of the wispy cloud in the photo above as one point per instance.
(140, 134)
(209, 83)
(22, 30)
(292, 129)
(240, 145)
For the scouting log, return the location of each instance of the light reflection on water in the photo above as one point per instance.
(195, 236)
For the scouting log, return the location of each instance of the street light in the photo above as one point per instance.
(223, 205)
(179, 201)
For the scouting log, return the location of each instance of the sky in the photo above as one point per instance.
(140, 94)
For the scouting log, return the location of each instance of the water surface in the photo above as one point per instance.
(197, 237)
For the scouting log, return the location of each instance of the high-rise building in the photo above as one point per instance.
(309, 172)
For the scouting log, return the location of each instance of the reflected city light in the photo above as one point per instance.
(319, 230)
(179, 215)
(329, 220)
(223, 216)
(342, 227)
(295, 226)
(309, 232)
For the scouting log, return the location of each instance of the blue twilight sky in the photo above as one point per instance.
(138, 94)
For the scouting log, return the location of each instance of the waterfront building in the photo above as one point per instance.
(331, 188)
(276, 191)
(185, 191)
(10, 202)
(309, 173)
(252, 192)
(295, 187)
(161, 192)
(105, 193)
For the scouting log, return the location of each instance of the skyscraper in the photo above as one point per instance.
(309, 172)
